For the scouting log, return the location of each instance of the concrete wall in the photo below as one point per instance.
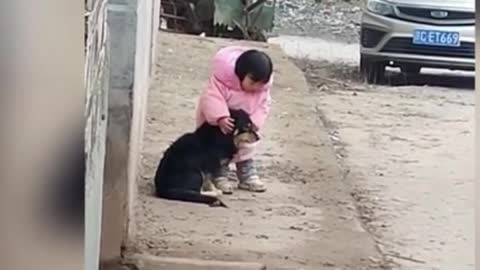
(145, 44)
(133, 26)
(96, 85)
(477, 146)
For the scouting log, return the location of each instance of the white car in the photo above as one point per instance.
(412, 34)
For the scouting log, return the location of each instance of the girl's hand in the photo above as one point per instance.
(226, 124)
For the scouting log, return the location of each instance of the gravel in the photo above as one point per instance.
(337, 20)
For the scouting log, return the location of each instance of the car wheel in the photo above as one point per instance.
(411, 69)
(373, 72)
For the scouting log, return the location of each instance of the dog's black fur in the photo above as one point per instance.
(185, 163)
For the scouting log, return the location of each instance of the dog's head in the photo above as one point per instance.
(244, 130)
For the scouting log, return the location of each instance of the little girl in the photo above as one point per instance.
(240, 78)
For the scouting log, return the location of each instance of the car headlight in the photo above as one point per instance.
(380, 7)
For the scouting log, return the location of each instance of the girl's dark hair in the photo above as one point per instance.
(255, 63)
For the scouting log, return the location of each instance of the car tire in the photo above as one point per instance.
(411, 69)
(373, 72)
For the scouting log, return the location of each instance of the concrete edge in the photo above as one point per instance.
(149, 262)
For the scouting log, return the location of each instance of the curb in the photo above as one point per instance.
(149, 262)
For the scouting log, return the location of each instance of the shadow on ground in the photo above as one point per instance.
(450, 80)
(346, 73)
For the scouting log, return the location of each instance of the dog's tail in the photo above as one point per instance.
(190, 196)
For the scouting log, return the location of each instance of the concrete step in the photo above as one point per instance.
(148, 262)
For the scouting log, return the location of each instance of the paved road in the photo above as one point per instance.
(407, 151)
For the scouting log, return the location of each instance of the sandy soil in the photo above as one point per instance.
(407, 151)
(306, 220)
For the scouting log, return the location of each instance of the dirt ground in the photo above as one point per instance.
(306, 219)
(407, 151)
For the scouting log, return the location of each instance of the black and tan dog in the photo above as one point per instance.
(187, 165)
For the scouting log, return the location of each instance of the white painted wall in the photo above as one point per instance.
(133, 26)
(96, 86)
(147, 26)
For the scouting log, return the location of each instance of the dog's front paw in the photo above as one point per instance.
(217, 192)
(210, 193)
(218, 203)
(214, 192)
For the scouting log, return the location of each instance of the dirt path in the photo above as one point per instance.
(306, 220)
(408, 152)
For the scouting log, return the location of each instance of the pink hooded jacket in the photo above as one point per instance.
(224, 91)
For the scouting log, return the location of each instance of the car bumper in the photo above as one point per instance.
(389, 39)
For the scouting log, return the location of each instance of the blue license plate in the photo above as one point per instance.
(436, 38)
